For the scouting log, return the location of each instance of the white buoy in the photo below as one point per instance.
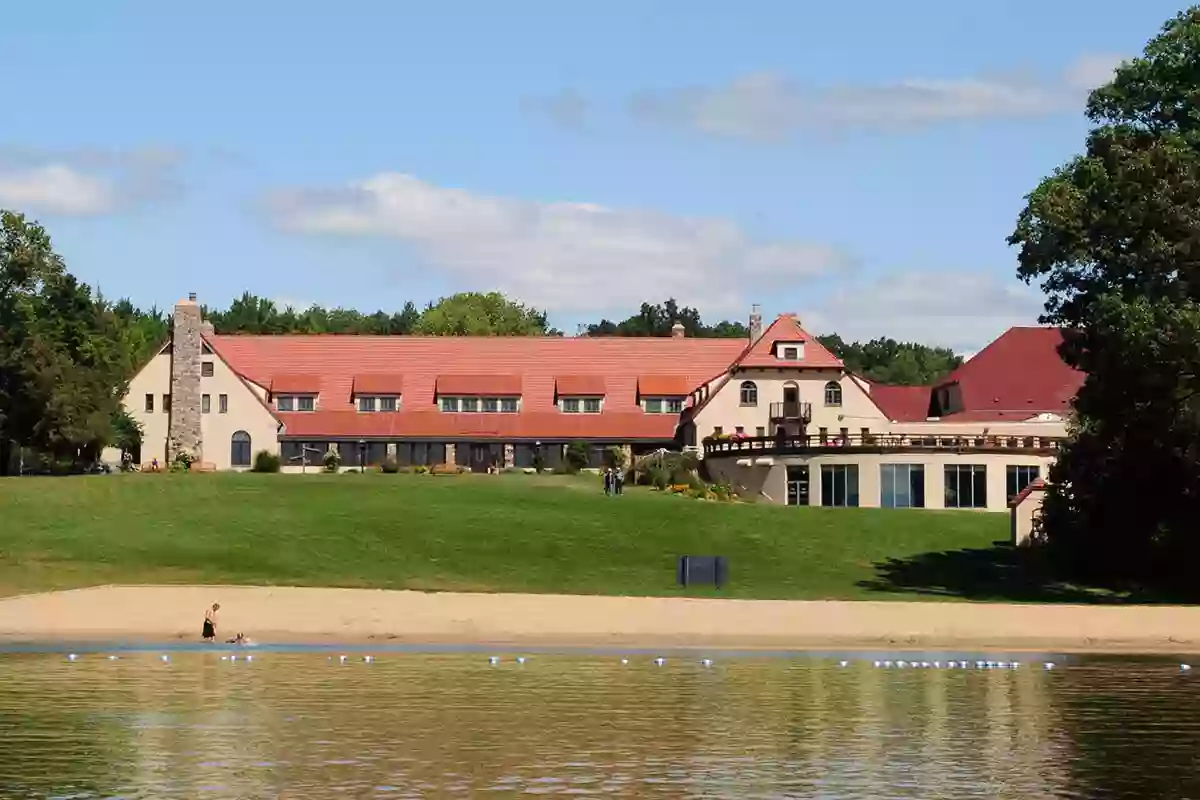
(164, 658)
(368, 659)
(113, 658)
(843, 663)
(71, 657)
(624, 660)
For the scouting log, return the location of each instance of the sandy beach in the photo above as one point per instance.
(290, 615)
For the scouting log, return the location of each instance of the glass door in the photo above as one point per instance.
(797, 485)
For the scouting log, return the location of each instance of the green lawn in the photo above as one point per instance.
(511, 533)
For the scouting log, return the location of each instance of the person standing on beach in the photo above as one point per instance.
(210, 623)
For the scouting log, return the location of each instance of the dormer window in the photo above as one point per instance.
(663, 405)
(789, 351)
(296, 402)
(580, 405)
(372, 403)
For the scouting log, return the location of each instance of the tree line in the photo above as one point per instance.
(492, 314)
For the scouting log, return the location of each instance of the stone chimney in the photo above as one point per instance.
(755, 323)
(183, 430)
(678, 331)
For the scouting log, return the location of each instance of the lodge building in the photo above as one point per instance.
(779, 417)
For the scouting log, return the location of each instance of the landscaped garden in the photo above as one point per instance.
(503, 533)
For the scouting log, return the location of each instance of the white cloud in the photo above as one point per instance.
(961, 310)
(86, 182)
(771, 107)
(562, 256)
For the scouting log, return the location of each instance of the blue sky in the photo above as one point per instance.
(858, 163)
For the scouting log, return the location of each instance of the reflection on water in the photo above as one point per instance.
(407, 725)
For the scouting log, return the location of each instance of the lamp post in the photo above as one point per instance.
(362, 455)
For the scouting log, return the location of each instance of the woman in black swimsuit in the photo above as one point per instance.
(210, 623)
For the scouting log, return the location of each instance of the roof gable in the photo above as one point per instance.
(786, 328)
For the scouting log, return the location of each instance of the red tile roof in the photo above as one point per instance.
(786, 328)
(1018, 376)
(528, 425)
(666, 385)
(579, 385)
(539, 362)
(378, 383)
(287, 382)
(481, 385)
(902, 403)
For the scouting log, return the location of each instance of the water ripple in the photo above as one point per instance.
(451, 725)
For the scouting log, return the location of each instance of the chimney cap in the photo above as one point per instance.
(677, 330)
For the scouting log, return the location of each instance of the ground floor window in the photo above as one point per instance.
(902, 485)
(839, 485)
(1018, 476)
(966, 486)
(239, 449)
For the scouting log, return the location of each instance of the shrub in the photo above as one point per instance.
(389, 466)
(332, 460)
(265, 462)
(616, 455)
(577, 455)
(182, 462)
(658, 477)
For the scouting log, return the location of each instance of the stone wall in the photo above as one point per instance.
(183, 432)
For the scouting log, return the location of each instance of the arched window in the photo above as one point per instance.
(749, 393)
(833, 393)
(239, 449)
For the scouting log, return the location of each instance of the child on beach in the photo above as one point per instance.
(209, 633)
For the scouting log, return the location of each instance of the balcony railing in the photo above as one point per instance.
(791, 410)
(876, 442)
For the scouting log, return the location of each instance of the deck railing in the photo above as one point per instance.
(805, 445)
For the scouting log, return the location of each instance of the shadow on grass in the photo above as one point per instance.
(999, 573)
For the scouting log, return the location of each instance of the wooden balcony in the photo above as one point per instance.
(750, 446)
(790, 411)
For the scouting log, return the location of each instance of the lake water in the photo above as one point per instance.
(304, 725)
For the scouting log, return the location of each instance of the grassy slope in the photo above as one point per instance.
(510, 533)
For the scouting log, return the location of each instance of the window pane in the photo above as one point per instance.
(951, 499)
(570, 405)
(491, 405)
(826, 486)
(654, 406)
(206, 369)
(469, 404)
(149, 402)
(979, 487)
(508, 405)
(205, 403)
(223, 403)
(449, 404)
(366, 404)
(851, 471)
(387, 404)
(284, 403)
(674, 406)
(166, 403)
(887, 485)
(916, 485)
(591, 405)
(306, 403)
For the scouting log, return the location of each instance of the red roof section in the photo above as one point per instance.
(1036, 485)
(902, 403)
(666, 385)
(287, 382)
(579, 385)
(786, 328)
(378, 383)
(1018, 376)
(548, 425)
(538, 362)
(498, 385)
